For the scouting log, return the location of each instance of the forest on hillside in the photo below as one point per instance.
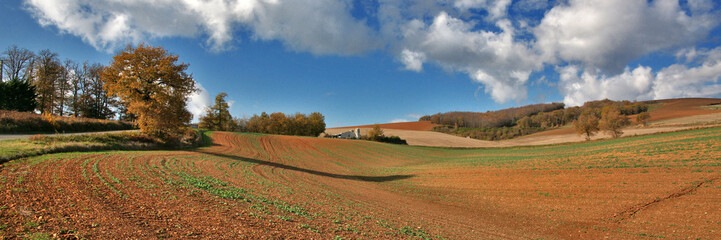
(514, 122)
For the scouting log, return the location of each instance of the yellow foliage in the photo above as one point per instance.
(154, 86)
(52, 119)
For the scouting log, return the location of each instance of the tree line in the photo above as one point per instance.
(41, 81)
(609, 116)
(490, 119)
(143, 84)
(218, 117)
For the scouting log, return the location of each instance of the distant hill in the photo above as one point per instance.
(666, 115)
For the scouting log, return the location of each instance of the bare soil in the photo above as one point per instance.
(269, 187)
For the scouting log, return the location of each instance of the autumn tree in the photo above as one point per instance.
(218, 116)
(316, 122)
(587, 123)
(298, 124)
(612, 120)
(280, 123)
(642, 118)
(376, 133)
(47, 69)
(154, 86)
(524, 122)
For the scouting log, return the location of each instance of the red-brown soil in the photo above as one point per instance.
(684, 107)
(263, 186)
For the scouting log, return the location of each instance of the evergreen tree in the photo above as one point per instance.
(17, 95)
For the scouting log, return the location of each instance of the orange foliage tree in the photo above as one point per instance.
(612, 120)
(154, 86)
(587, 123)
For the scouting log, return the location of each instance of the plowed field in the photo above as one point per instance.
(270, 187)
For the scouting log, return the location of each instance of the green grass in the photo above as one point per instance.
(39, 145)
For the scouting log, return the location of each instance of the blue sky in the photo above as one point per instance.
(363, 62)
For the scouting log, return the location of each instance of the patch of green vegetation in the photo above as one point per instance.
(415, 232)
(712, 107)
(102, 179)
(31, 224)
(39, 236)
(40, 144)
(654, 106)
(312, 229)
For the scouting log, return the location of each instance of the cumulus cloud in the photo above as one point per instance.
(316, 26)
(413, 60)
(494, 59)
(608, 34)
(198, 101)
(641, 83)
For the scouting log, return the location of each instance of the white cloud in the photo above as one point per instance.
(700, 5)
(316, 26)
(198, 101)
(413, 60)
(496, 60)
(641, 83)
(608, 34)
(678, 80)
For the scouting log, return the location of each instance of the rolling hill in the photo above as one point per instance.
(267, 186)
(666, 116)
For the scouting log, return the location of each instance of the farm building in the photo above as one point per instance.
(352, 134)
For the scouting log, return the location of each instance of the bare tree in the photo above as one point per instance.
(62, 86)
(17, 62)
(46, 69)
(96, 103)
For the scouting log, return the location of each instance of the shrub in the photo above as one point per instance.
(375, 134)
(26, 122)
(642, 118)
